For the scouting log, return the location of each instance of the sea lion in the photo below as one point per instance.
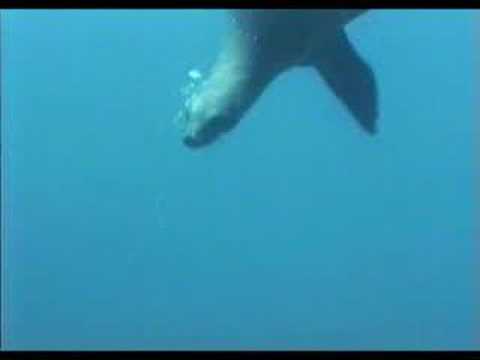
(261, 45)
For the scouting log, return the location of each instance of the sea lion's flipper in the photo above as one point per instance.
(350, 77)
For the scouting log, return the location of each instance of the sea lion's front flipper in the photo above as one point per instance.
(350, 77)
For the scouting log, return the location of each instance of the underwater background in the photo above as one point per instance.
(294, 231)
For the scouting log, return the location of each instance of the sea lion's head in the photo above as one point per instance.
(208, 112)
(204, 125)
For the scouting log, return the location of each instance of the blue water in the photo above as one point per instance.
(295, 231)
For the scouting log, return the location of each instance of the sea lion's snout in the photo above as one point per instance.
(209, 130)
(195, 143)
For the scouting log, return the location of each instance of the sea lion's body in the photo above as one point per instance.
(264, 43)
